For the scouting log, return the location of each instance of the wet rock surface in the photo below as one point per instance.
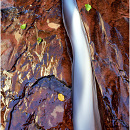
(34, 73)
(38, 107)
(29, 98)
(107, 29)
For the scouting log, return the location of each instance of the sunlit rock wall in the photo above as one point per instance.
(33, 74)
(107, 30)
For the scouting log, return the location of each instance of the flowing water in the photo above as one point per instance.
(85, 108)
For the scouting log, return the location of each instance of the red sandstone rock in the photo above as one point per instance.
(25, 63)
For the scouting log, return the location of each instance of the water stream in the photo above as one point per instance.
(85, 106)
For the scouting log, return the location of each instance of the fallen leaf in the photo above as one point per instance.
(88, 7)
(61, 97)
(39, 40)
(23, 26)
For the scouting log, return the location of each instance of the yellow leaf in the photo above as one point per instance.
(61, 97)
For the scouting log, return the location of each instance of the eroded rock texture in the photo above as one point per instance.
(107, 29)
(29, 98)
(34, 73)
